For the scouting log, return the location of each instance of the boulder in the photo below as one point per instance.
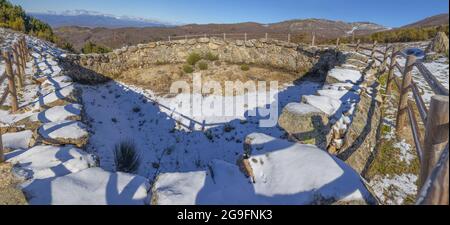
(64, 132)
(305, 123)
(439, 44)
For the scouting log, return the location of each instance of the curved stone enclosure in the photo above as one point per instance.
(272, 53)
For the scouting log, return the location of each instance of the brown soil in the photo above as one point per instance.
(9, 194)
(160, 78)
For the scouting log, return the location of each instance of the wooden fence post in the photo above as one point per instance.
(11, 83)
(224, 36)
(267, 36)
(18, 61)
(245, 37)
(313, 41)
(385, 57)
(2, 155)
(391, 70)
(337, 43)
(402, 114)
(357, 45)
(372, 54)
(436, 134)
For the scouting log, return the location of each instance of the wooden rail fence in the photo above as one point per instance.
(432, 147)
(15, 60)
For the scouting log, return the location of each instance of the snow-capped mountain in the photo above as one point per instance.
(91, 19)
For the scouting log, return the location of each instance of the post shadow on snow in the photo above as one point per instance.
(86, 76)
(68, 108)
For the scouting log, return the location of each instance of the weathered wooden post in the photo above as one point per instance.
(402, 114)
(436, 134)
(385, 57)
(337, 43)
(289, 38)
(357, 45)
(224, 36)
(372, 54)
(435, 190)
(18, 61)
(11, 83)
(313, 41)
(169, 38)
(2, 155)
(391, 70)
(267, 36)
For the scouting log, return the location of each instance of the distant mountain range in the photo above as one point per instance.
(430, 21)
(117, 37)
(92, 19)
(79, 26)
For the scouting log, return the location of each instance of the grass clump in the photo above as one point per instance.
(193, 58)
(202, 65)
(126, 158)
(245, 67)
(188, 69)
(211, 57)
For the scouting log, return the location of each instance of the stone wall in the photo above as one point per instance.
(272, 53)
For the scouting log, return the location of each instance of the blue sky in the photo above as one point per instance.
(392, 13)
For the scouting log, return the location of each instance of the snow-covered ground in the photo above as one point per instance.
(119, 112)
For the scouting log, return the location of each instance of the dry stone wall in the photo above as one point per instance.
(272, 53)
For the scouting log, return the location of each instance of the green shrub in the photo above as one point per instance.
(90, 47)
(193, 58)
(211, 57)
(126, 158)
(203, 65)
(245, 67)
(188, 69)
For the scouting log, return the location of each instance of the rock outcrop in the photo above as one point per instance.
(439, 44)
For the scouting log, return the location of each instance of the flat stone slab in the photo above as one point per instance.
(19, 140)
(339, 75)
(59, 113)
(93, 186)
(58, 97)
(285, 173)
(46, 161)
(328, 105)
(64, 132)
(306, 123)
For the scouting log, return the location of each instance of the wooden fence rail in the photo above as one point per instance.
(432, 151)
(15, 60)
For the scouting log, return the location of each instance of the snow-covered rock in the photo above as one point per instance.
(326, 104)
(339, 75)
(285, 173)
(43, 161)
(306, 123)
(59, 113)
(19, 140)
(93, 186)
(58, 97)
(64, 132)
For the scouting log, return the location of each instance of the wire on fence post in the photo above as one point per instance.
(404, 93)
